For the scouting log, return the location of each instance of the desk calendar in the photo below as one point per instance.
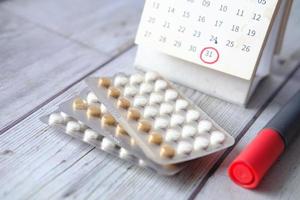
(223, 35)
(226, 37)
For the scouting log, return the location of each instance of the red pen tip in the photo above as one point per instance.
(250, 166)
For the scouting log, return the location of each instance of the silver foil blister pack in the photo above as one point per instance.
(168, 127)
(70, 126)
(89, 111)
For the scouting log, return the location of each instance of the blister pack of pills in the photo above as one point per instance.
(166, 126)
(68, 125)
(88, 110)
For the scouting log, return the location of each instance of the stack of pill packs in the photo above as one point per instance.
(141, 118)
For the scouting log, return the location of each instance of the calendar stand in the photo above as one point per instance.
(215, 83)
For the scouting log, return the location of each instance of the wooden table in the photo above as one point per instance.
(48, 47)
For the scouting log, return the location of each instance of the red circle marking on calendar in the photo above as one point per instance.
(215, 58)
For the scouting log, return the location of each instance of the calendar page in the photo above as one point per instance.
(224, 35)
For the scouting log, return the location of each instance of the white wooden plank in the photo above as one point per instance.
(33, 55)
(35, 65)
(35, 167)
(282, 181)
(108, 26)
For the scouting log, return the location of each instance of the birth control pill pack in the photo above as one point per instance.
(68, 125)
(88, 110)
(166, 126)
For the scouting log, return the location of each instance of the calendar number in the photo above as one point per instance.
(218, 23)
(256, 17)
(263, 2)
(246, 48)
(162, 39)
(193, 48)
(213, 39)
(206, 3)
(240, 13)
(155, 5)
(167, 24)
(230, 43)
(197, 33)
(177, 44)
(171, 10)
(181, 29)
(223, 8)
(201, 19)
(151, 20)
(147, 34)
(251, 32)
(186, 14)
(235, 28)
(209, 55)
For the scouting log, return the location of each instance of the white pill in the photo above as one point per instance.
(139, 101)
(181, 104)
(161, 122)
(120, 80)
(184, 148)
(217, 138)
(155, 98)
(146, 88)
(89, 135)
(72, 127)
(107, 144)
(130, 91)
(142, 163)
(56, 118)
(125, 154)
(172, 135)
(171, 95)
(204, 126)
(150, 111)
(151, 76)
(177, 119)
(166, 108)
(103, 108)
(201, 143)
(188, 131)
(160, 85)
(192, 115)
(136, 78)
(66, 116)
(91, 98)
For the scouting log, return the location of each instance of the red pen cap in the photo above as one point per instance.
(253, 162)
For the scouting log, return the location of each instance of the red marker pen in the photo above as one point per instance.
(254, 161)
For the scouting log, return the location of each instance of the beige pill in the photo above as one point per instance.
(167, 151)
(123, 103)
(120, 131)
(155, 138)
(144, 126)
(108, 120)
(93, 111)
(133, 114)
(113, 92)
(79, 104)
(104, 82)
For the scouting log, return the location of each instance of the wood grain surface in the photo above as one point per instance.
(49, 47)
(282, 181)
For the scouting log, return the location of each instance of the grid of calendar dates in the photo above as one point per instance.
(225, 35)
